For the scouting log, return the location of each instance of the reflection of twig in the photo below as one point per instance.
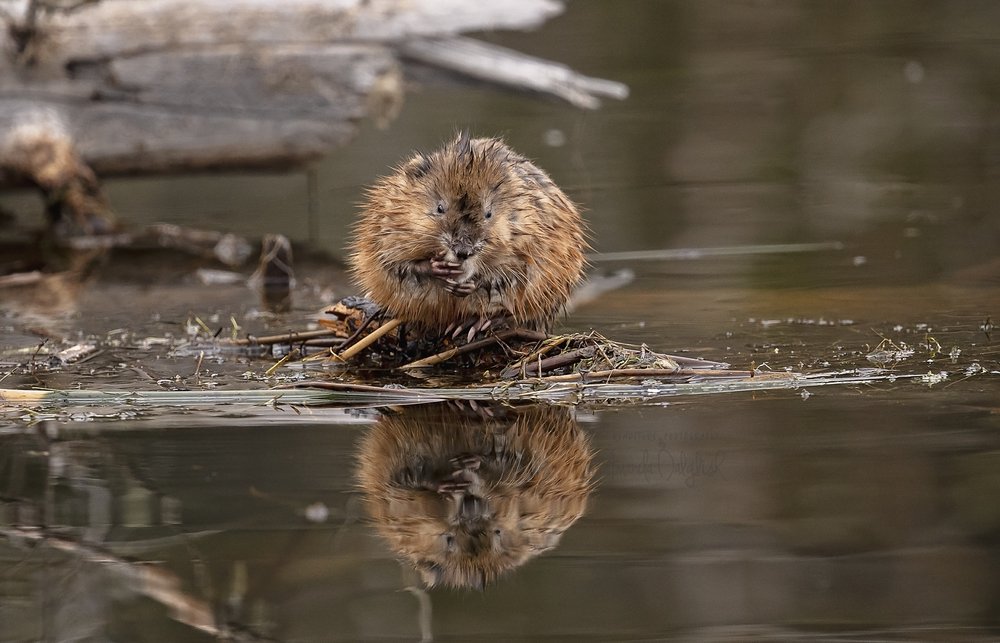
(424, 614)
(149, 580)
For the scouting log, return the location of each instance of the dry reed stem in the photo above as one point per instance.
(366, 341)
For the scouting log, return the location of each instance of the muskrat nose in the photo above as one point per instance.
(463, 250)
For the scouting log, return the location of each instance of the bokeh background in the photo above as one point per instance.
(748, 123)
(866, 512)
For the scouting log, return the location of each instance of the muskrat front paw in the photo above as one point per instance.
(445, 270)
(460, 289)
(466, 461)
(452, 486)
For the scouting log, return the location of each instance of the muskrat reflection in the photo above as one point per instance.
(465, 495)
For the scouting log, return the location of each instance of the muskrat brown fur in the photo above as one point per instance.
(471, 233)
(464, 496)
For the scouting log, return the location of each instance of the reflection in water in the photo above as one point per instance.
(772, 517)
(63, 498)
(466, 495)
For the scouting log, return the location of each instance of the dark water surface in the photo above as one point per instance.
(844, 513)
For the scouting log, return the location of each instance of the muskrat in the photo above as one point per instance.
(469, 235)
(465, 496)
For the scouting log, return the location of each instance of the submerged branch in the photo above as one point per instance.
(149, 580)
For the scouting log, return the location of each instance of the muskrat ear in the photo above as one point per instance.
(417, 167)
(464, 143)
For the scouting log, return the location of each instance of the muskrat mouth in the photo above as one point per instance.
(471, 507)
(459, 256)
(462, 261)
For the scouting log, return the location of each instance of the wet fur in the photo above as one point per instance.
(534, 477)
(524, 259)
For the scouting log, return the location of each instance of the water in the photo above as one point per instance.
(843, 513)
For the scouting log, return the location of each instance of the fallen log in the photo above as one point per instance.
(184, 85)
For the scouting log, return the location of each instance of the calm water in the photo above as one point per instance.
(854, 513)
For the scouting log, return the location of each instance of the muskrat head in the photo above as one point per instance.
(468, 191)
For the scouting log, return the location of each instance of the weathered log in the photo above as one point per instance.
(493, 64)
(180, 85)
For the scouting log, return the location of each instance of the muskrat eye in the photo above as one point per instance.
(440, 207)
(488, 214)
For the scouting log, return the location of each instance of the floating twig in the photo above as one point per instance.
(633, 373)
(292, 354)
(547, 346)
(291, 337)
(520, 333)
(527, 369)
(350, 387)
(364, 324)
(366, 341)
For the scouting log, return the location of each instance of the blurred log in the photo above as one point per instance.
(498, 65)
(181, 85)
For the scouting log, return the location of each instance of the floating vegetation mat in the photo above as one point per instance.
(357, 359)
(320, 392)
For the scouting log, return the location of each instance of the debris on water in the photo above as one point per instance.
(653, 387)
(975, 368)
(888, 353)
(931, 378)
(805, 394)
(801, 321)
(213, 277)
(932, 346)
(147, 343)
(77, 353)
(954, 353)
